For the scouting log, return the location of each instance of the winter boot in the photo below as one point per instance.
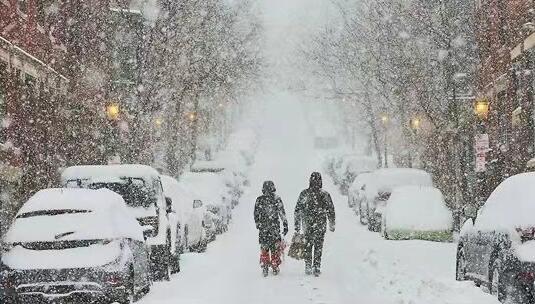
(265, 270)
(276, 270)
(317, 272)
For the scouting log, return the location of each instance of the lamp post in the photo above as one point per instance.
(113, 111)
(481, 110)
(384, 120)
(414, 125)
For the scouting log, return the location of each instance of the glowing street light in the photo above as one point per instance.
(481, 108)
(384, 118)
(416, 123)
(113, 111)
(192, 116)
(158, 122)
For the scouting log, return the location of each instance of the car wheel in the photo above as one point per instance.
(460, 268)
(496, 285)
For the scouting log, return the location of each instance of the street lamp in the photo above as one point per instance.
(113, 111)
(415, 123)
(192, 116)
(481, 108)
(158, 122)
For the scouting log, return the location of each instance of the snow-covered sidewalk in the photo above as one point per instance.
(358, 267)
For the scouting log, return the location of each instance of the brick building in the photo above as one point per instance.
(506, 39)
(32, 87)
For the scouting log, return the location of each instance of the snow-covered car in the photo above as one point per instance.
(417, 212)
(355, 193)
(221, 217)
(210, 226)
(232, 177)
(141, 188)
(210, 188)
(191, 234)
(70, 245)
(350, 167)
(498, 248)
(380, 186)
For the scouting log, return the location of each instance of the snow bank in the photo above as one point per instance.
(385, 180)
(417, 208)
(510, 206)
(102, 214)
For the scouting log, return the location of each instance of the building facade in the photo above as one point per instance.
(32, 87)
(505, 79)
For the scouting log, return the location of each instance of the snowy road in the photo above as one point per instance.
(358, 267)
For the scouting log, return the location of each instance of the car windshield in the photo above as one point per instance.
(61, 245)
(51, 212)
(133, 190)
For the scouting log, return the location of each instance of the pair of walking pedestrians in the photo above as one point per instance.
(313, 210)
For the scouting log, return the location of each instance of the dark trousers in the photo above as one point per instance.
(313, 249)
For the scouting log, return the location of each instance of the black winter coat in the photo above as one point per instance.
(314, 207)
(268, 214)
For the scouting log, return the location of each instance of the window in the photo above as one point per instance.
(23, 6)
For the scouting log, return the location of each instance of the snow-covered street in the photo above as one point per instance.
(359, 266)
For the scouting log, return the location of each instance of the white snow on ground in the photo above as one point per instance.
(359, 266)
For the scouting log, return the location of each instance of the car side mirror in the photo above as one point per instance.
(148, 231)
(197, 204)
(168, 204)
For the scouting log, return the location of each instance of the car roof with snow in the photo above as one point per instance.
(207, 186)
(386, 179)
(73, 214)
(418, 208)
(108, 172)
(72, 198)
(511, 205)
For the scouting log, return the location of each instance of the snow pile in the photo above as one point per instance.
(93, 215)
(385, 180)
(416, 208)
(510, 206)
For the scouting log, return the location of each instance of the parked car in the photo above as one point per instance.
(221, 217)
(417, 212)
(141, 188)
(498, 248)
(350, 167)
(380, 186)
(209, 187)
(71, 245)
(356, 191)
(234, 180)
(191, 235)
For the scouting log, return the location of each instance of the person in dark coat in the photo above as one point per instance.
(314, 208)
(268, 214)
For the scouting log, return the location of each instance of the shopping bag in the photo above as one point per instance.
(297, 247)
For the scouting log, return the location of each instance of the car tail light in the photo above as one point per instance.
(526, 234)
(526, 276)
